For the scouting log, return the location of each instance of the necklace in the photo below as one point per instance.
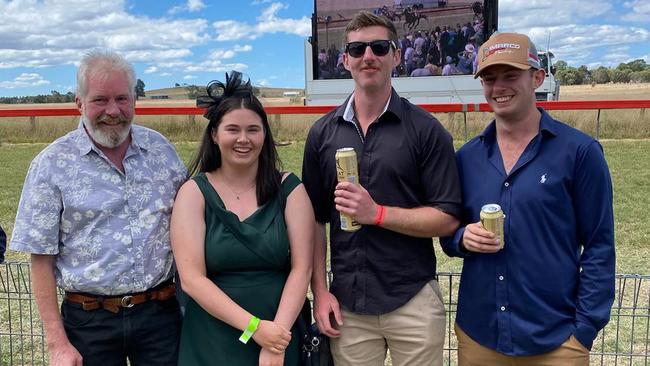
(237, 194)
(223, 181)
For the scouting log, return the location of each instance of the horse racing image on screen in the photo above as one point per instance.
(436, 37)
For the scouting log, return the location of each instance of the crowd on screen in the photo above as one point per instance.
(444, 50)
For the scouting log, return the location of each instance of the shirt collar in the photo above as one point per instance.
(547, 127)
(85, 144)
(391, 106)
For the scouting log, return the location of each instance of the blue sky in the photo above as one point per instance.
(196, 41)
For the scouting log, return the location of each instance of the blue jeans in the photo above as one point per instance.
(146, 334)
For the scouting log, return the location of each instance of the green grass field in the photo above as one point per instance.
(629, 162)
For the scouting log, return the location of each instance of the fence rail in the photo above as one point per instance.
(448, 107)
(624, 341)
(598, 105)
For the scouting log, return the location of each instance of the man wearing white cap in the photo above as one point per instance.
(541, 296)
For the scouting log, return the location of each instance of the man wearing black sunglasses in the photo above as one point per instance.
(384, 295)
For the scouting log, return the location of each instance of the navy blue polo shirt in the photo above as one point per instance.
(406, 159)
(555, 275)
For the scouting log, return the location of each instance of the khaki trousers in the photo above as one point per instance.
(414, 334)
(470, 353)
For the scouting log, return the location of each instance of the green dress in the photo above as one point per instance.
(249, 260)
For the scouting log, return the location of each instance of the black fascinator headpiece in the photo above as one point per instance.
(218, 91)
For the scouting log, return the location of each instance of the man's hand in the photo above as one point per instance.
(64, 355)
(354, 200)
(270, 358)
(272, 336)
(477, 239)
(325, 304)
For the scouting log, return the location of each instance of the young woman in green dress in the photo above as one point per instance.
(241, 233)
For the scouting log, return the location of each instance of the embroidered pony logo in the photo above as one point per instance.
(542, 179)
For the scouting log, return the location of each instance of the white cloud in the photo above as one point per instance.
(577, 33)
(209, 65)
(268, 22)
(191, 7)
(215, 66)
(65, 29)
(244, 48)
(195, 5)
(189, 77)
(258, 2)
(263, 82)
(640, 11)
(539, 13)
(579, 44)
(24, 80)
(150, 70)
(222, 54)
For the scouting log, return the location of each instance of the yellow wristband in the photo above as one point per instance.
(250, 329)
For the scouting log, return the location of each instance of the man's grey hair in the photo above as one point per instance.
(103, 62)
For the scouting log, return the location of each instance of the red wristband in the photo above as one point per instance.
(379, 217)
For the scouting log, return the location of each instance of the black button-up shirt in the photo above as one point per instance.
(406, 159)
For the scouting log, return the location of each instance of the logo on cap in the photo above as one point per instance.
(499, 48)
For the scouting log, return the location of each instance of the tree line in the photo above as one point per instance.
(56, 97)
(637, 71)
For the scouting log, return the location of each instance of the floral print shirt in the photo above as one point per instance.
(108, 230)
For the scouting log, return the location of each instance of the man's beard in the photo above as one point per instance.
(107, 136)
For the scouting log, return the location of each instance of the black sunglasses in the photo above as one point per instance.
(379, 47)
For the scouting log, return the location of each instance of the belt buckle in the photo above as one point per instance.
(126, 301)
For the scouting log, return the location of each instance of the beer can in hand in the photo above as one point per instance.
(347, 171)
(492, 220)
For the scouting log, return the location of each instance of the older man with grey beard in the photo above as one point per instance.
(94, 215)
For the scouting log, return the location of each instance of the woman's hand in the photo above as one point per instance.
(272, 336)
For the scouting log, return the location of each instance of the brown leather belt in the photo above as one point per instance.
(114, 303)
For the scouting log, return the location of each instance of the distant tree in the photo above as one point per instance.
(139, 89)
(600, 75)
(177, 85)
(569, 76)
(561, 65)
(56, 97)
(640, 76)
(619, 76)
(636, 65)
(584, 74)
(193, 91)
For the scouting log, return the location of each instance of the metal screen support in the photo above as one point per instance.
(598, 125)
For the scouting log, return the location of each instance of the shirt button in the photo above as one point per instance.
(503, 308)
(500, 278)
(506, 184)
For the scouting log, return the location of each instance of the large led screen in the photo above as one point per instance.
(438, 37)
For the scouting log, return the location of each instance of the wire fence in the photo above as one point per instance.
(624, 341)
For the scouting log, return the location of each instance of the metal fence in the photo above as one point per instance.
(624, 341)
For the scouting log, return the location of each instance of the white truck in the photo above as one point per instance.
(462, 89)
